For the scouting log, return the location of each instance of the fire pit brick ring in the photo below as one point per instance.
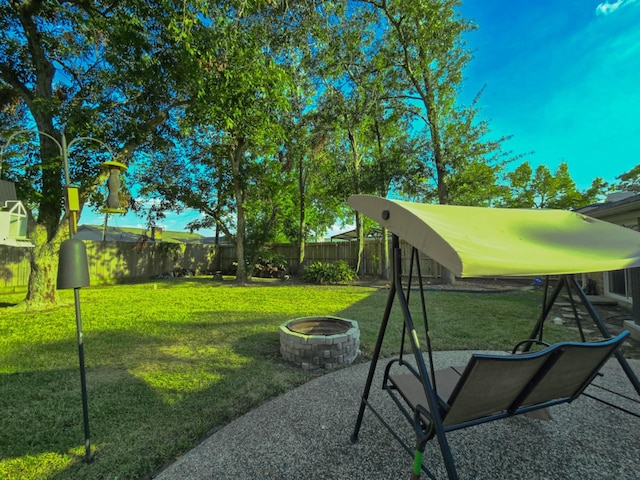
(320, 342)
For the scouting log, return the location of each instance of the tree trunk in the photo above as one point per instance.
(360, 235)
(302, 248)
(355, 155)
(45, 231)
(238, 187)
(385, 274)
(302, 234)
(448, 278)
(42, 291)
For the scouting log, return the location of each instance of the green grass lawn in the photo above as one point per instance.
(170, 361)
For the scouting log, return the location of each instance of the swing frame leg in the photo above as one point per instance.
(417, 463)
(570, 282)
(396, 292)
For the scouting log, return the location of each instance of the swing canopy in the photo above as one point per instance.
(481, 242)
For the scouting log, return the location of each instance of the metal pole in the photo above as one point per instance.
(88, 457)
(64, 152)
(104, 227)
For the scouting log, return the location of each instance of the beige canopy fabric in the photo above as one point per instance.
(481, 242)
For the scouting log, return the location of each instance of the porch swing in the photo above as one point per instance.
(481, 242)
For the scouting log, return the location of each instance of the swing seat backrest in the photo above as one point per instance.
(491, 384)
(496, 386)
(573, 371)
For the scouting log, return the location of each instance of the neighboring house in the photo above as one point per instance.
(621, 208)
(127, 234)
(353, 235)
(222, 240)
(13, 217)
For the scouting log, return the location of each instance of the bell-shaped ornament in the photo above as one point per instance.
(73, 267)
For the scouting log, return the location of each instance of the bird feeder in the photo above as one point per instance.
(113, 184)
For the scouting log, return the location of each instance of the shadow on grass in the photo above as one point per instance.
(154, 390)
(151, 396)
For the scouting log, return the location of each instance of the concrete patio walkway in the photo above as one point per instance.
(305, 434)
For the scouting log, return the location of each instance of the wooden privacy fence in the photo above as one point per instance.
(111, 262)
(329, 252)
(372, 262)
(117, 261)
(14, 266)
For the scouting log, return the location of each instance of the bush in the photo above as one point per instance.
(338, 272)
(270, 265)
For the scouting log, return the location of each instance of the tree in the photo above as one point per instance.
(350, 150)
(314, 207)
(629, 181)
(394, 152)
(425, 52)
(542, 189)
(241, 97)
(368, 127)
(82, 70)
(474, 162)
(425, 55)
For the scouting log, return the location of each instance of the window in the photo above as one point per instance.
(619, 283)
(18, 221)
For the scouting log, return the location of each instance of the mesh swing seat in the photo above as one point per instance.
(497, 386)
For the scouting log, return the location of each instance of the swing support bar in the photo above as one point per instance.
(433, 413)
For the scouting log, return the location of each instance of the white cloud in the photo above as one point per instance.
(607, 8)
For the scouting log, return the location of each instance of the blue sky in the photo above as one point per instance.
(561, 76)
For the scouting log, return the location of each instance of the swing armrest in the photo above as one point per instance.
(388, 382)
(411, 389)
(528, 342)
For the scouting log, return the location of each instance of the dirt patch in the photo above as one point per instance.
(613, 317)
(461, 284)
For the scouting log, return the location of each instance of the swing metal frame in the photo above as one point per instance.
(427, 417)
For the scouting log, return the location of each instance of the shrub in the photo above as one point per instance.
(338, 272)
(270, 265)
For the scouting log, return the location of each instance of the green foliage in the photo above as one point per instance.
(233, 132)
(270, 265)
(630, 181)
(542, 189)
(329, 273)
(107, 72)
(264, 116)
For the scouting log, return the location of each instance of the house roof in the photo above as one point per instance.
(352, 234)
(131, 234)
(477, 242)
(624, 212)
(7, 192)
(598, 210)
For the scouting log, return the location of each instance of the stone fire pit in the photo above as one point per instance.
(320, 342)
